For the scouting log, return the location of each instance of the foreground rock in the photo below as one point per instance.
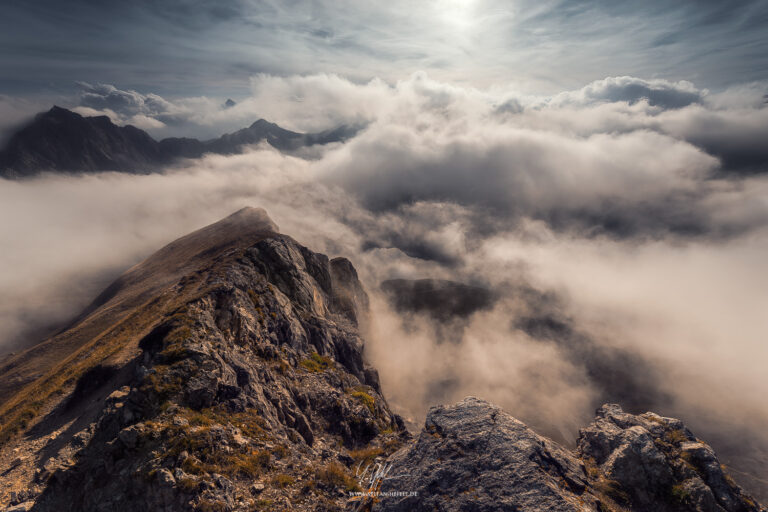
(474, 456)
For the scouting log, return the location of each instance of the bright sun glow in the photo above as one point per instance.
(458, 13)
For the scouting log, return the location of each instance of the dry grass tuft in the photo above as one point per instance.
(334, 475)
(366, 455)
(316, 363)
(282, 480)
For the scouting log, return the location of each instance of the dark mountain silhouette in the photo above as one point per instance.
(64, 141)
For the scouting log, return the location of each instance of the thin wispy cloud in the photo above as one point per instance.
(190, 47)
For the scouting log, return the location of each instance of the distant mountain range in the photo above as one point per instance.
(64, 141)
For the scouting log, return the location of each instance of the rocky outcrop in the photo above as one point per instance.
(658, 464)
(246, 390)
(474, 456)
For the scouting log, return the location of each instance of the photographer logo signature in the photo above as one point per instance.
(371, 477)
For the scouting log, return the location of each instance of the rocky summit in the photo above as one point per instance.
(227, 373)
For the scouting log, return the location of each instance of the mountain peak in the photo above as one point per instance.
(263, 123)
(257, 217)
(58, 111)
(61, 114)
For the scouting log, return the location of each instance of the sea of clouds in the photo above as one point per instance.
(633, 214)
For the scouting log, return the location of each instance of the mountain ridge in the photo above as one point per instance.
(64, 141)
(233, 352)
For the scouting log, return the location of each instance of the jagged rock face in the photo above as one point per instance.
(350, 298)
(474, 456)
(251, 393)
(658, 463)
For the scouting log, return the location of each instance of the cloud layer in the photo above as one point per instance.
(612, 215)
